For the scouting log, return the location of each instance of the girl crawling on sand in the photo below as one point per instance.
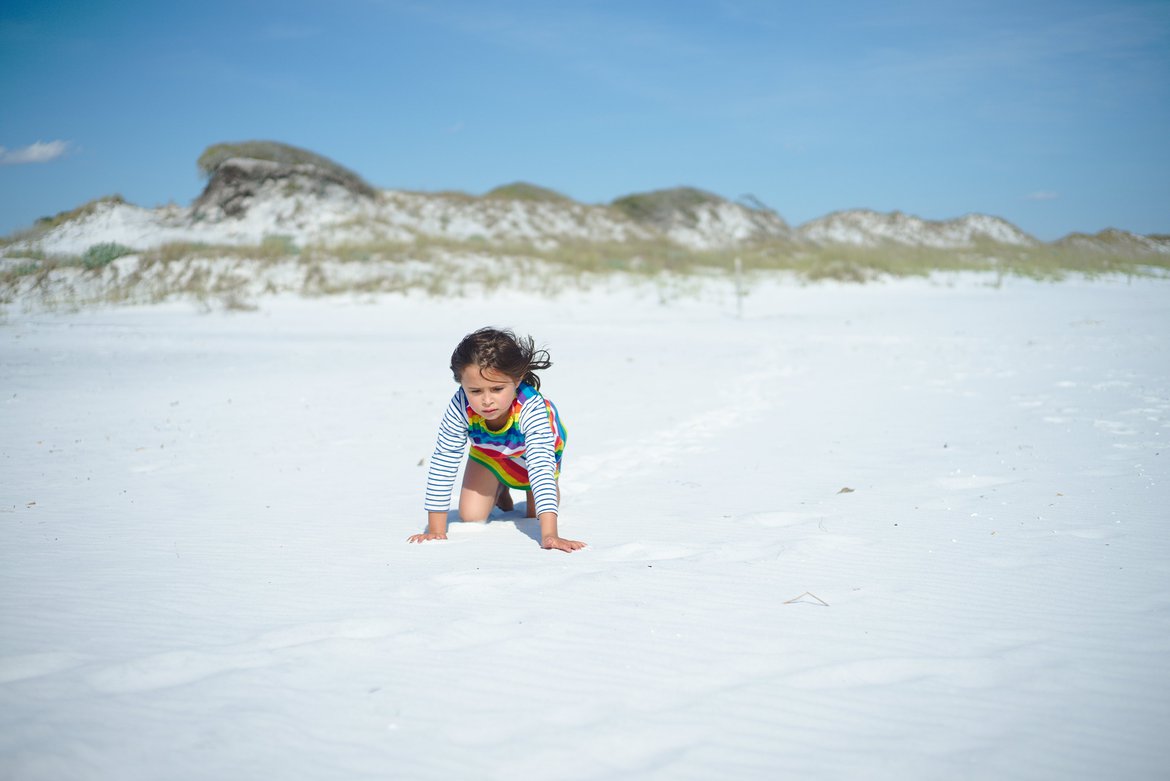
(516, 437)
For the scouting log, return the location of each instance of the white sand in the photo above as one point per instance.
(204, 570)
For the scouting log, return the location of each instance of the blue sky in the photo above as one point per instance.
(1054, 115)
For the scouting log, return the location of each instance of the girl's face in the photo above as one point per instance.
(489, 392)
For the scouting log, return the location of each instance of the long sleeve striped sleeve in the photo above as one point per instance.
(450, 447)
(539, 453)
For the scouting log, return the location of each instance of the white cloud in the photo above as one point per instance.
(40, 152)
(1042, 195)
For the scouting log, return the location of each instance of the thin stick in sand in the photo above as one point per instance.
(794, 600)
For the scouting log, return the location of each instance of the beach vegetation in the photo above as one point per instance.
(275, 246)
(524, 191)
(284, 154)
(84, 210)
(45, 224)
(21, 269)
(233, 276)
(660, 206)
(99, 255)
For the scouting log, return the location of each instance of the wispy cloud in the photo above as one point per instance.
(39, 152)
(1042, 195)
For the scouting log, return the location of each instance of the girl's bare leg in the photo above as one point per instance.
(479, 493)
(504, 499)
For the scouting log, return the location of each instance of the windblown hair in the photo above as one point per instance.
(502, 351)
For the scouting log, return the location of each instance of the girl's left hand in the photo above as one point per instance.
(425, 537)
(552, 542)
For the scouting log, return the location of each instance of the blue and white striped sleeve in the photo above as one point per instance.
(449, 449)
(539, 453)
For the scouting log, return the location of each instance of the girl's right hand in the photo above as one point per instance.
(425, 537)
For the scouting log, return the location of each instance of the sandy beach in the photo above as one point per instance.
(913, 529)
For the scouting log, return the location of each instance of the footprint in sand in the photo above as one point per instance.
(1149, 413)
(1031, 402)
(1111, 385)
(1113, 427)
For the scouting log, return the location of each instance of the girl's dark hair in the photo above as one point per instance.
(503, 351)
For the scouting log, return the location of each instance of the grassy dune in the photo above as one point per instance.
(234, 276)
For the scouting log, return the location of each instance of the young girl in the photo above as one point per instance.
(516, 437)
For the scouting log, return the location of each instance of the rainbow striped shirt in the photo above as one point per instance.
(524, 453)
